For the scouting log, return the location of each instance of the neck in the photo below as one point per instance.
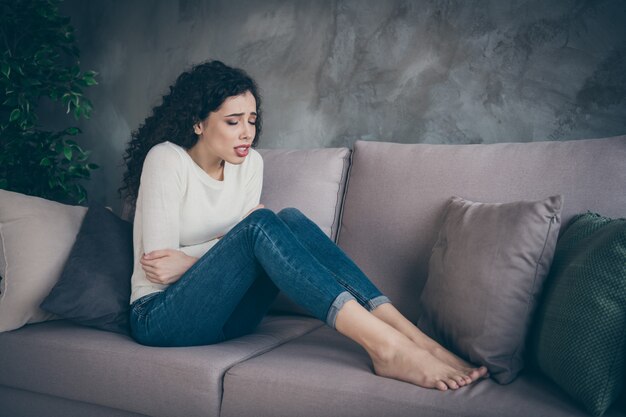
(212, 165)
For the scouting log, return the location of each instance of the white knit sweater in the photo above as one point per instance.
(180, 206)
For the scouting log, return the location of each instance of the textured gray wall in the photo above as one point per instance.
(332, 72)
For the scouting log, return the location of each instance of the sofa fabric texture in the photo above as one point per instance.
(37, 236)
(486, 270)
(17, 402)
(325, 374)
(112, 370)
(581, 328)
(397, 192)
(94, 287)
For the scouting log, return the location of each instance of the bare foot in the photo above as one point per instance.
(471, 372)
(397, 353)
(403, 360)
(390, 315)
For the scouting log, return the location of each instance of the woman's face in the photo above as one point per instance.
(228, 132)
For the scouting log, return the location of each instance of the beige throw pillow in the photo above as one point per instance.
(37, 236)
(485, 274)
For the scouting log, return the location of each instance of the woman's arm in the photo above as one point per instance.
(166, 266)
(161, 192)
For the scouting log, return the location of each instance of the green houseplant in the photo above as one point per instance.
(40, 61)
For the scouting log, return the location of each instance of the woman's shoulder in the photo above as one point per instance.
(252, 165)
(166, 152)
(255, 159)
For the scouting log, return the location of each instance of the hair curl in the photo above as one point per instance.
(196, 93)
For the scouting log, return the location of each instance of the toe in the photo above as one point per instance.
(451, 383)
(460, 380)
(474, 374)
(483, 372)
(441, 386)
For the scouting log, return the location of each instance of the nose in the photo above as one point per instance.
(248, 131)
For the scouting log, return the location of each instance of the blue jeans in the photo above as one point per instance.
(226, 293)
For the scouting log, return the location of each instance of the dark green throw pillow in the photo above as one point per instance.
(580, 331)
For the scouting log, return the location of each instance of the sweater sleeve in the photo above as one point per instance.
(254, 184)
(161, 192)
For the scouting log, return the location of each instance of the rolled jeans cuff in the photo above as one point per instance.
(341, 299)
(376, 301)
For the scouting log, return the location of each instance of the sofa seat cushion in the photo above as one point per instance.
(78, 363)
(325, 374)
(20, 403)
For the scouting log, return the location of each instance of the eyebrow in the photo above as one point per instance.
(240, 114)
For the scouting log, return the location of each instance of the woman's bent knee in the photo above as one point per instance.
(260, 214)
(261, 217)
(290, 213)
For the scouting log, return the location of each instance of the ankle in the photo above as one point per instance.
(387, 348)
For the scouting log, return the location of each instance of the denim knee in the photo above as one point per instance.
(290, 213)
(260, 216)
(261, 219)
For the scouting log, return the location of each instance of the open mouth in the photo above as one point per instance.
(242, 150)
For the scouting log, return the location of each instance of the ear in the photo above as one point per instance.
(197, 128)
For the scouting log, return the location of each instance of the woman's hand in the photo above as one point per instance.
(166, 266)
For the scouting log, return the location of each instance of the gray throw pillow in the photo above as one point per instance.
(37, 236)
(485, 274)
(94, 288)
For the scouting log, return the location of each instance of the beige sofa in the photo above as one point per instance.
(382, 202)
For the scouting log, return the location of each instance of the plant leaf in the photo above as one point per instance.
(15, 114)
(67, 151)
(6, 69)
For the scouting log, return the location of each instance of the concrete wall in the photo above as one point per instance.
(334, 71)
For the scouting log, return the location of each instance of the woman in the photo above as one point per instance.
(209, 259)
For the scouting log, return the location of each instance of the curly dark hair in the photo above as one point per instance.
(196, 93)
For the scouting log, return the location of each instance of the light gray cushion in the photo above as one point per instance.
(397, 192)
(486, 270)
(60, 359)
(20, 403)
(37, 236)
(326, 374)
(310, 180)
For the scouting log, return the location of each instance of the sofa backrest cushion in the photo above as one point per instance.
(311, 180)
(396, 195)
